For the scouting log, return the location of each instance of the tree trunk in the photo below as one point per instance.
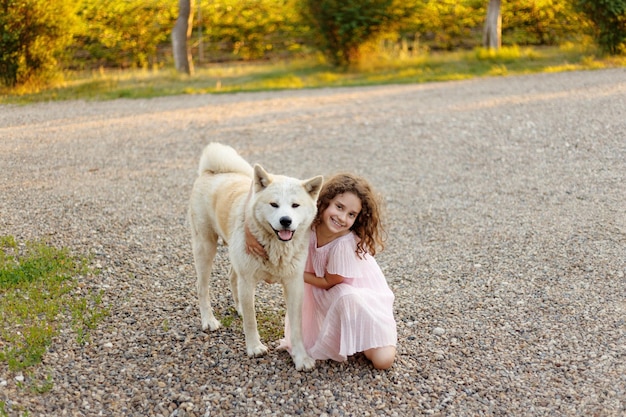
(492, 31)
(180, 37)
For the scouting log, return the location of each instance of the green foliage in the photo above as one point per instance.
(447, 24)
(37, 289)
(38, 35)
(33, 36)
(450, 24)
(250, 29)
(344, 26)
(123, 33)
(540, 22)
(609, 19)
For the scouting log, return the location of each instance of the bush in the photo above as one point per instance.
(251, 29)
(609, 18)
(451, 24)
(33, 36)
(540, 22)
(123, 33)
(447, 24)
(344, 26)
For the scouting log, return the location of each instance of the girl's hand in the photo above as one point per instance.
(253, 247)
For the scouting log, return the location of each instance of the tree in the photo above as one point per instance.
(122, 33)
(33, 36)
(541, 22)
(492, 33)
(180, 37)
(345, 25)
(253, 29)
(609, 17)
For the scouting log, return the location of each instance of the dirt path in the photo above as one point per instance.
(507, 246)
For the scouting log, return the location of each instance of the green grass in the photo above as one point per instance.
(38, 297)
(270, 322)
(386, 67)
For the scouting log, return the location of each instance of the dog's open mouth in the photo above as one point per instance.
(284, 235)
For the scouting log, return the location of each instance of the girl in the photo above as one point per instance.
(347, 305)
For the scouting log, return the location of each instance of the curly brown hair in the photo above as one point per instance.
(368, 225)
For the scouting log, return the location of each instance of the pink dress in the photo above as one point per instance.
(350, 317)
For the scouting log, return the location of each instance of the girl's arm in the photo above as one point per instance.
(253, 247)
(325, 282)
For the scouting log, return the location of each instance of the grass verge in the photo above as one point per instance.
(39, 296)
(385, 67)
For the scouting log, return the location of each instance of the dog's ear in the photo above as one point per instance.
(261, 178)
(313, 186)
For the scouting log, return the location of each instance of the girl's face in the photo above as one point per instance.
(341, 213)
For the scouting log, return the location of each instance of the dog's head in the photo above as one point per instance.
(283, 204)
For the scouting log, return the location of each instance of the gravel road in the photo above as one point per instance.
(506, 207)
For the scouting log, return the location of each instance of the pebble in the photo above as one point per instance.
(438, 331)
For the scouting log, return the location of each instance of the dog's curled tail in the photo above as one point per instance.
(220, 159)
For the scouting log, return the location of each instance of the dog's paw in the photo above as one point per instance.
(210, 323)
(257, 350)
(305, 363)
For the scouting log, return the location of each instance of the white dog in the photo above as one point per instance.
(228, 196)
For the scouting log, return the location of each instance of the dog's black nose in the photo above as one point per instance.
(285, 221)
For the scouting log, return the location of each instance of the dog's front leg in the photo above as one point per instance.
(294, 290)
(246, 291)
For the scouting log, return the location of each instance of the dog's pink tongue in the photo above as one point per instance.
(285, 234)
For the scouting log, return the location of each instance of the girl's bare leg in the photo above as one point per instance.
(382, 358)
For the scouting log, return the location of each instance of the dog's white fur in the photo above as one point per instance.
(278, 210)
